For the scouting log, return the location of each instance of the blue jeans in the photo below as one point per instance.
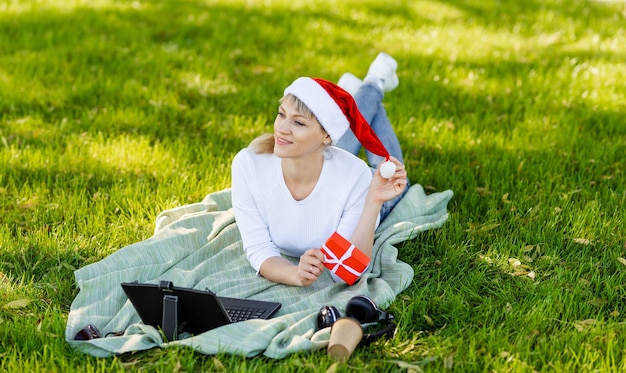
(369, 100)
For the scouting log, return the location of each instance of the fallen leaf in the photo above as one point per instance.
(514, 262)
(621, 260)
(582, 241)
(20, 303)
(261, 69)
(483, 191)
(531, 274)
(332, 368)
(584, 324)
(482, 227)
(614, 313)
(534, 333)
(409, 367)
(4, 279)
(448, 361)
(30, 204)
(429, 321)
(218, 364)
(597, 302)
(68, 266)
(579, 327)
(528, 259)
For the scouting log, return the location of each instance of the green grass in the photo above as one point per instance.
(112, 111)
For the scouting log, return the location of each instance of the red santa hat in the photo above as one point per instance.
(336, 111)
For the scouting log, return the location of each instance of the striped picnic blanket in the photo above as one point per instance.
(199, 246)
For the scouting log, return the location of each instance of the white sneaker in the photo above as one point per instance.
(384, 68)
(350, 83)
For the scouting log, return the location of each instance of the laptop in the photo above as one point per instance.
(176, 309)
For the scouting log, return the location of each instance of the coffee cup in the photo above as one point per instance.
(345, 335)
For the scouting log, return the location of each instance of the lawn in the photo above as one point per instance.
(112, 111)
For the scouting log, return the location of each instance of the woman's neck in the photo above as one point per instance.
(301, 176)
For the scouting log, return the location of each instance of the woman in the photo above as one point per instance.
(293, 189)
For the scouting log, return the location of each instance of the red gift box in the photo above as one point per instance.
(344, 259)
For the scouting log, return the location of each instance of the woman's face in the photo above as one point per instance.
(297, 135)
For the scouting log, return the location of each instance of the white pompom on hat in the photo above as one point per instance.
(337, 111)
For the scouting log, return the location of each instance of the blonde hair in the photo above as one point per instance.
(264, 144)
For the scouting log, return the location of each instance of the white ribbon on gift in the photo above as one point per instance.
(339, 261)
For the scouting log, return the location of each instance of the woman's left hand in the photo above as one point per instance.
(310, 267)
(384, 189)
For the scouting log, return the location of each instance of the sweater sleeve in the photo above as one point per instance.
(355, 202)
(255, 235)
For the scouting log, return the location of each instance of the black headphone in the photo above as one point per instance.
(365, 311)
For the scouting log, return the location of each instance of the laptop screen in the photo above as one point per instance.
(196, 311)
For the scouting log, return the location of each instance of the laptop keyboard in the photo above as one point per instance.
(244, 313)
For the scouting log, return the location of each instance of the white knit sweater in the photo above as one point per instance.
(272, 223)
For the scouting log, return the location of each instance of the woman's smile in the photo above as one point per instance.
(282, 141)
